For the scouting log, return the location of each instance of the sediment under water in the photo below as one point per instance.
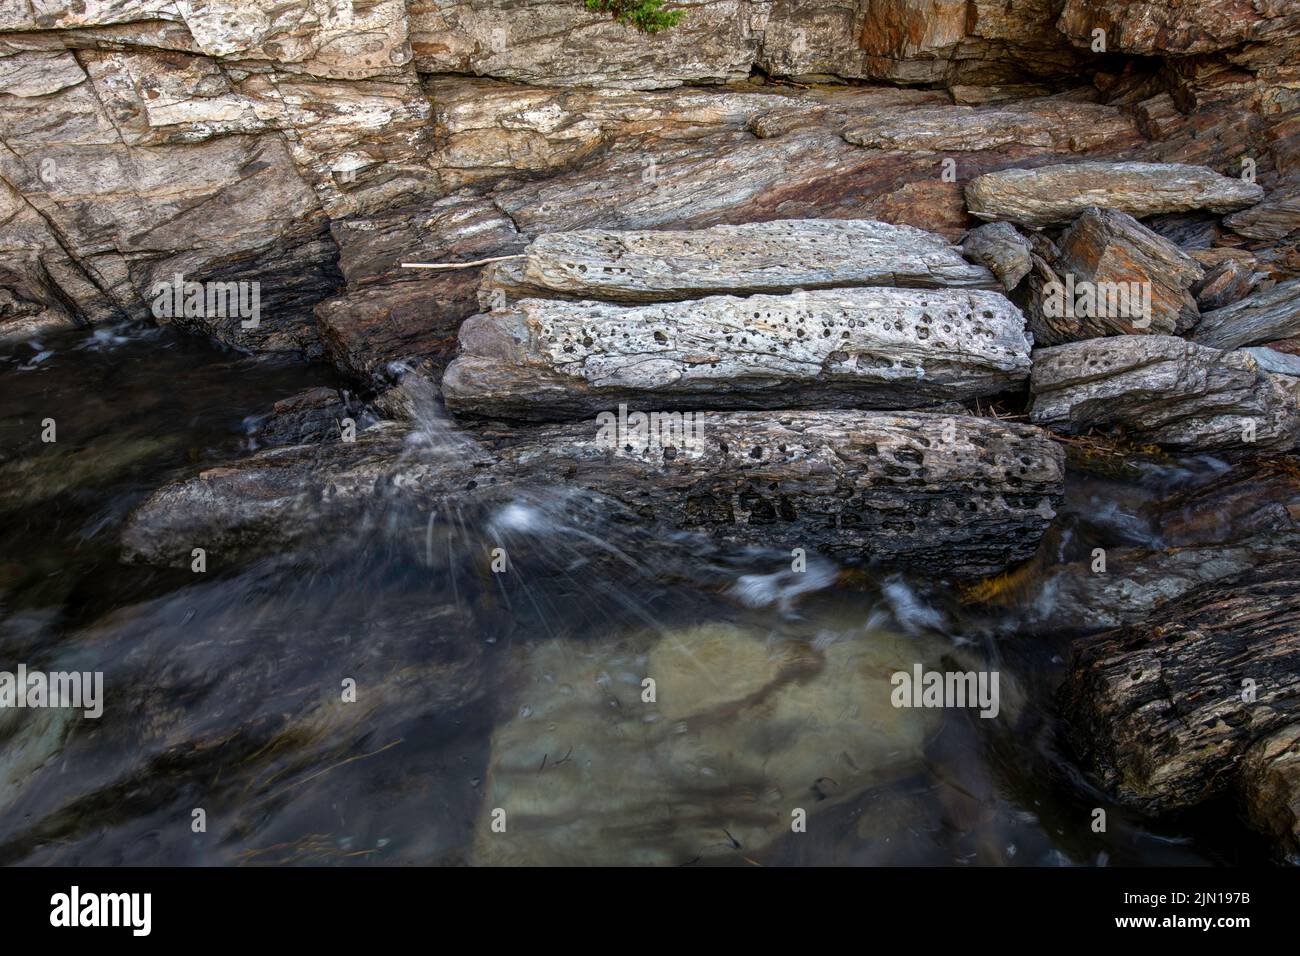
(475, 691)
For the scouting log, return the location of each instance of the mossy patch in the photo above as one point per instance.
(646, 15)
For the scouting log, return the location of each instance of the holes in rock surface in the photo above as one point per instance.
(756, 452)
(660, 337)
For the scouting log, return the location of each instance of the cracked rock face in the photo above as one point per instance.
(1111, 275)
(1163, 389)
(564, 44)
(866, 348)
(1058, 194)
(1162, 711)
(1258, 31)
(1267, 316)
(948, 493)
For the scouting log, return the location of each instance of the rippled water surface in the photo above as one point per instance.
(477, 692)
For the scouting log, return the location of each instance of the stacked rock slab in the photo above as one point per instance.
(657, 266)
(872, 348)
(809, 324)
(716, 323)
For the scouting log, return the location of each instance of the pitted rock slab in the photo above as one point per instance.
(866, 348)
(952, 494)
(780, 256)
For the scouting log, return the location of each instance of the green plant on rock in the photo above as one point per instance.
(646, 15)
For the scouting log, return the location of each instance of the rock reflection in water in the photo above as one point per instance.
(746, 727)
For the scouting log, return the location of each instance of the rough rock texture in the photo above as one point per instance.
(1107, 251)
(947, 493)
(146, 139)
(1258, 31)
(1276, 217)
(560, 42)
(761, 257)
(1263, 317)
(1000, 248)
(1162, 710)
(1057, 194)
(918, 41)
(1244, 518)
(866, 348)
(1224, 283)
(1163, 389)
(1269, 786)
(1271, 360)
(1059, 124)
(544, 160)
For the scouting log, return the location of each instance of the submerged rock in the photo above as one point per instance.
(1057, 194)
(870, 348)
(1163, 389)
(947, 493)
(745, 729)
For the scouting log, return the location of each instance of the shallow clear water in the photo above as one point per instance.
(478, 691)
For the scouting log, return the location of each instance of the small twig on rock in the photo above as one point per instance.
(459, 265)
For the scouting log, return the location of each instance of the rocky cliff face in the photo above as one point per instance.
(840, 229)
(311, 146)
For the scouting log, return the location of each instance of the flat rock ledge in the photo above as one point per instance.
(1049, 195)
(1199, 701)
(1165, 390)
(862, 348)
(951, 494)
(780, 256)
(1266, 316)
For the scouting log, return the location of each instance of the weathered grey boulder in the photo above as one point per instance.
(1057, 194)
(1166, 390)
(1265, 316)
(777, 256)
(952, 494)
(1275, 218)
(1164, 710)
(998, 246)
(1112, 276)
(867, 348)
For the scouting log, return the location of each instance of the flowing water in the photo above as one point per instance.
(487, 698)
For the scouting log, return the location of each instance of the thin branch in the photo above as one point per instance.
(460, 265)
